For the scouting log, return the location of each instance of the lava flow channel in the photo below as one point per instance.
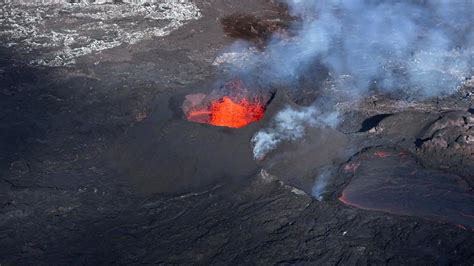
(229, 113)
(393, 181)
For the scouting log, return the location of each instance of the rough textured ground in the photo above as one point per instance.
(67, 132)
(392, 181)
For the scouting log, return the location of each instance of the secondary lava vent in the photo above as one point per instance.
(232, 106)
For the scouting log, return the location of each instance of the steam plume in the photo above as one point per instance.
(414, 47)
(421, 48)
(289, 125)
(320, 184)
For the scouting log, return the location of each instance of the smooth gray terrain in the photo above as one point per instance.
(99, 166)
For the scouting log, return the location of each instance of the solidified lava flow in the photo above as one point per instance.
(227, 112)
(392, 181)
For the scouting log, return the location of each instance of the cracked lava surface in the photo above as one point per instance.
(99, 165)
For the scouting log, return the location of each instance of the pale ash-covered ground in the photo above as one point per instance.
(57, 33)
(62, 203)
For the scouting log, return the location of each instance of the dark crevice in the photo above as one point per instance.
(15, 186)
(372, 122)
(471, 110)
(419, 142)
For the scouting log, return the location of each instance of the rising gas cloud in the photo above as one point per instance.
(421, 48)
(416, 48)
(289, 125)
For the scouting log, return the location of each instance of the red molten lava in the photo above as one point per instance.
(229, 113)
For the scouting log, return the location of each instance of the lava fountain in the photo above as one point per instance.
(235, 110)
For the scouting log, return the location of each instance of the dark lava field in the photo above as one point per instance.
(99, 163)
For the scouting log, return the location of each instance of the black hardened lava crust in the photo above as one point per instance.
(97, 166)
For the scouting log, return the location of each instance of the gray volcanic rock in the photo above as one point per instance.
(63, 201)
(448, 143)
(62, 31)
(263, 222)
(391, 181)
(440, 140)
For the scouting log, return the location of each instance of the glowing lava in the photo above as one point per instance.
(229, 113)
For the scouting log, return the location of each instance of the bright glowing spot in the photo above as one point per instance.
(227, 112)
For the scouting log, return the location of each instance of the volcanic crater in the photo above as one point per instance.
(126, 152)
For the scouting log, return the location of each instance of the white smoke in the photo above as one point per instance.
(414, 47)
(320, 184)
(290, 125)
(421, 48)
